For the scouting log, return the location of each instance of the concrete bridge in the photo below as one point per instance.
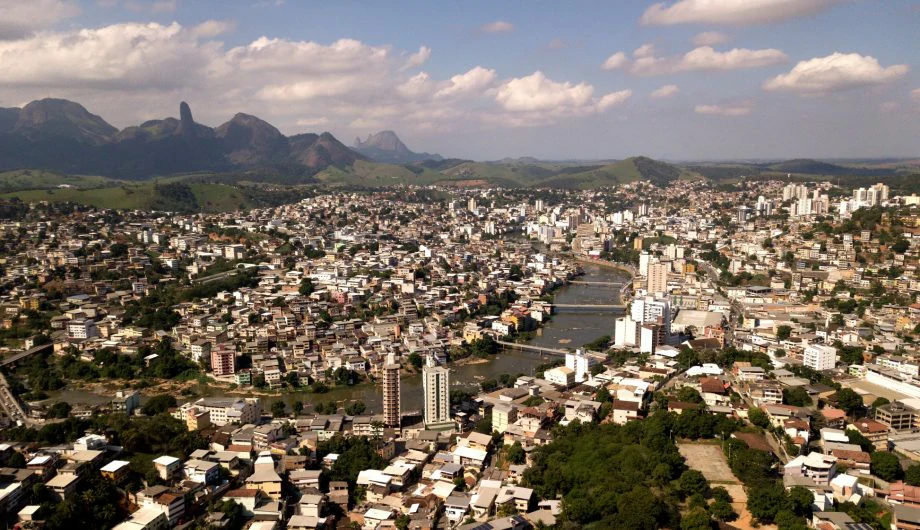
(591, 307)
(536, 349)
(611, 284)
(22, 355)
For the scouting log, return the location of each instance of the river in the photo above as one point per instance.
(567, 329)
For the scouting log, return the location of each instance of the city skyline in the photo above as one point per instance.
(683, 80)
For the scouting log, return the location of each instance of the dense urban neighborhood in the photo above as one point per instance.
(760, 364)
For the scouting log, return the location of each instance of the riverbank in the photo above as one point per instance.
(624, 267)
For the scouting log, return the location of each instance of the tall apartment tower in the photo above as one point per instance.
(391, 396)
(658, 278)
(436, 386)
(223, 360)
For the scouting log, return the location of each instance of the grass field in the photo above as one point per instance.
(137, 196)
(36, 179)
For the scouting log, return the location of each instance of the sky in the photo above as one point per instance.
(675, 80)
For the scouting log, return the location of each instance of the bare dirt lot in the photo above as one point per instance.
(710, 461)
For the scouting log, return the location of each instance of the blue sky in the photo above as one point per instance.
(485, 80)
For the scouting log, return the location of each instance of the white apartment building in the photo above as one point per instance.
(820, 357)
(436, 387)
(580, 363)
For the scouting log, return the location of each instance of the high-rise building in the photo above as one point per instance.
(223, 360)
(649, 310)
(436, 387)
(644, 259)
(657, 277)
(819, 357)
(580, 363)
(391, 397)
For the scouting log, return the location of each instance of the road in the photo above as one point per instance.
(11, 405)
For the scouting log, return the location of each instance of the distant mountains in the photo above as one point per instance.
(61, 135)
(386, 147)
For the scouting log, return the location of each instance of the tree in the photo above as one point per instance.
(516, 454)
(696, 519)
(849, 400)
(796, 396)
(158, 404)
(692, 482)
(719, 493)
(297, 407)
(723, 511)
(17, 460)
(886, 466)
(879, 402)
(765, 500)
(800, 500)
(783, 332)
(306, 287)
(278, 409)
(416, 360)
(758, 417)
(61, 409)
(912, 475)
(689, 394)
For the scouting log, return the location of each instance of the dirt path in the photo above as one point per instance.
(710, 461)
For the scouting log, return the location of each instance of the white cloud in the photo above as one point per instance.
(838, 71)
(706, 58)
(499, 26)
(613, 99)
(537, 99)
(213, 28)
(472, 82)
(22, 18)
(418, 85)
(664, 92)
(131, 72)
(113, 57)
(419, 58)
(617, 60)
(915, 93)
(731, 12)
(646, 50)
(710, 38)
(537, 92)
(724, 110)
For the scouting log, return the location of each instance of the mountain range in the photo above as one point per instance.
(385, 146)
(61, 135)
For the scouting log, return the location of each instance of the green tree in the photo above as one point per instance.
(515, 454)
(723, 511)
(696, 519)
(692, 482)
(306, 287)
(278, 409)
(765, 500)
(689, 394)
(159, 404)
(758, 417)
(17, 460)
(796, 396)
(416, 360)
(849, 400)
(912, 475)
(886, 466)
(783, 332)
(297, 407)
